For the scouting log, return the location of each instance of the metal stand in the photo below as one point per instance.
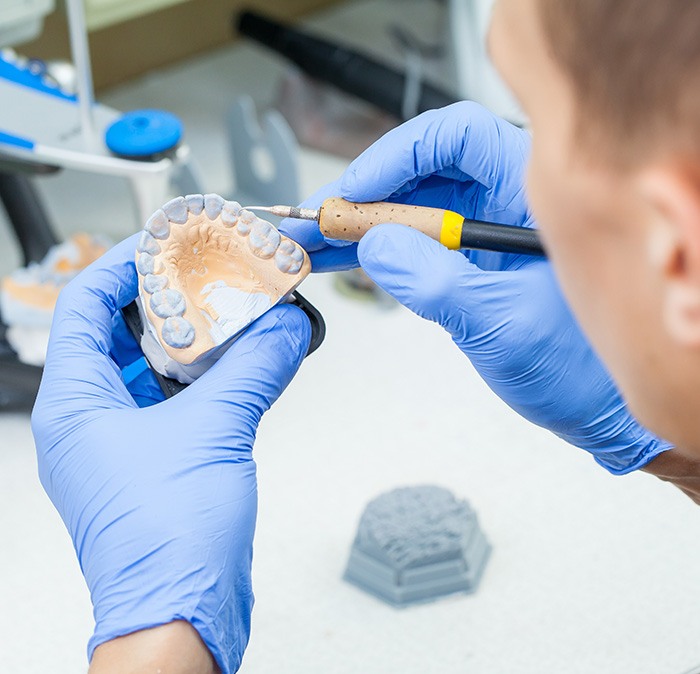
(263, 156)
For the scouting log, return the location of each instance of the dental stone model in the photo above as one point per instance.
(416, 544)
(28, 295)
(207, 269)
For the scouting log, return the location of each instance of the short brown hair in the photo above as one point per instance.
(635, 70)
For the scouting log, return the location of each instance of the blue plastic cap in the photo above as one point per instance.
(142, 133)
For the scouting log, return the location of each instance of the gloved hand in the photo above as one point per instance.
(426, 162)
(160, 502)
(505, 312)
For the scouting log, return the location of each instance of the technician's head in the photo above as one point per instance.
(612, 91)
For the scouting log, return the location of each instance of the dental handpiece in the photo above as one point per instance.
(348, 221)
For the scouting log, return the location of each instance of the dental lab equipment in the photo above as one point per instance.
(347, 221)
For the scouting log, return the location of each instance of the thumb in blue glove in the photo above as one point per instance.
(160, 502)
(520, 336)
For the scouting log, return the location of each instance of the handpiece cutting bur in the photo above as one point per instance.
(348, 221)
(288, 211)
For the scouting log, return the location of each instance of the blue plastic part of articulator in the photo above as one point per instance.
(143, 133)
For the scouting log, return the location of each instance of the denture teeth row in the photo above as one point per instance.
(263, 240)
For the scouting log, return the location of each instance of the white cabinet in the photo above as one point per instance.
(476, 77)
(102, 13)
(21, 20)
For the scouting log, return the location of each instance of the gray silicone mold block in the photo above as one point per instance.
(415, 544)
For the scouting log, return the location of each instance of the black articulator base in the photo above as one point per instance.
(19, 382)
(171, 386)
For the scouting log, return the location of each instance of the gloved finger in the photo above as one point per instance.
(334, 259)
(79, 369)
(463, 141)
(463, 198)
(136, 375)
(423, 275)
(436, 191)
(305, 232)
(333, 255)
(229, 399)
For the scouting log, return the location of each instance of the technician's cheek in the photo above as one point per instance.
(537, 197)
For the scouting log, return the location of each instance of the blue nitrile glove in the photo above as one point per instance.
(505, 312)
(160, 502)
(425, 162)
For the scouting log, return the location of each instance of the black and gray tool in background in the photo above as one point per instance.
(344, 68)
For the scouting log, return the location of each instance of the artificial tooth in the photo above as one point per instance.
(283, 262)
(154, 282)
(245, 222)
(288, 257)
(167, 303)
(147, 244)
(176, 210)
(213, 204)
(146, 264)
(230, 212)
(264, 239)
(195, 203)
(158, 225)
(178, 332)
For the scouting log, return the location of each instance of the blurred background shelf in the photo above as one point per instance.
(193, 27)
(104, 13)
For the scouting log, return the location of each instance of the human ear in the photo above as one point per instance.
(671, 197)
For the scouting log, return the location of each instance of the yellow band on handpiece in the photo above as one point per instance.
(451, 232)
